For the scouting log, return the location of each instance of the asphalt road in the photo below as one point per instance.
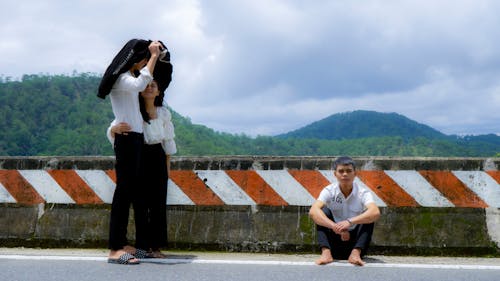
(77, 264)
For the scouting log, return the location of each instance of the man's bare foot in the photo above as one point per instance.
(345, 236)
(355, 257)
(325, 258)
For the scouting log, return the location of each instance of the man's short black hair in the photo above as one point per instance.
(344, 160)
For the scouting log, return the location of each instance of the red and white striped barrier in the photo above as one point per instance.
(392, 188)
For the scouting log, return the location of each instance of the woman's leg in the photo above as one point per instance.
(158, 201)
(141, 203)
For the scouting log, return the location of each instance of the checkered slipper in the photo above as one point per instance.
(141, 254)
(124, 259)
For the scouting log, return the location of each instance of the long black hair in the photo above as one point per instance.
(142, 104)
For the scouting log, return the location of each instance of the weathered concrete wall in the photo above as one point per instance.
(429, 205)
(405, 230)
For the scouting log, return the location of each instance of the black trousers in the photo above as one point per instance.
(152, 207)
(360, 237)
(128, 152)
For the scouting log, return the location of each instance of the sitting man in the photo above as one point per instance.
(344, 214)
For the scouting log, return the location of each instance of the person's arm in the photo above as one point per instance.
(168, 165)
(168, 143)
(154, 49)
(109, 132)
(318, 216)
(371, 214)
(128, 82)
(117, 128)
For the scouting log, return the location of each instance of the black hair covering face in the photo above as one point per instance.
(134, 51)
(163, 71)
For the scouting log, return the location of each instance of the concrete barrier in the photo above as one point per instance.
(429, 205)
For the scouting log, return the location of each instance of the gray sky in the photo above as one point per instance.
(265, 67)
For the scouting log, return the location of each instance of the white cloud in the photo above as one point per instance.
(268, 67)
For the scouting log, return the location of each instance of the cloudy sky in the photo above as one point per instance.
(265, 67)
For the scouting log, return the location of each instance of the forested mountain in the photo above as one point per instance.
(53, 115)
(364, 124)
(61, 115)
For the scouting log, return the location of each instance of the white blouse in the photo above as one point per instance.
(125, 98)
(159, 130)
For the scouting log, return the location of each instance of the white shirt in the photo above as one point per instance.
(159, 130)
(343, 208)
(125, 98)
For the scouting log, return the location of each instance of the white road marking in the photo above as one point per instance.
(257, 262)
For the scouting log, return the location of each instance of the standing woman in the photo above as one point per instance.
(123, 83)
(159, 145)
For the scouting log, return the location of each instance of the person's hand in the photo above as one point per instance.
(155, 48)
(341, 227)
(121, 128)
(337, 228)
(345, 236)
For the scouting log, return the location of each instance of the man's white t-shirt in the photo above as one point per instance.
(343, 208)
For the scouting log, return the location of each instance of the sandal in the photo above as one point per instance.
(141, 254)
(124, 259)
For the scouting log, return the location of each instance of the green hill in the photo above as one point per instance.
(61, 115)
(364, 124)
(53, 115)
